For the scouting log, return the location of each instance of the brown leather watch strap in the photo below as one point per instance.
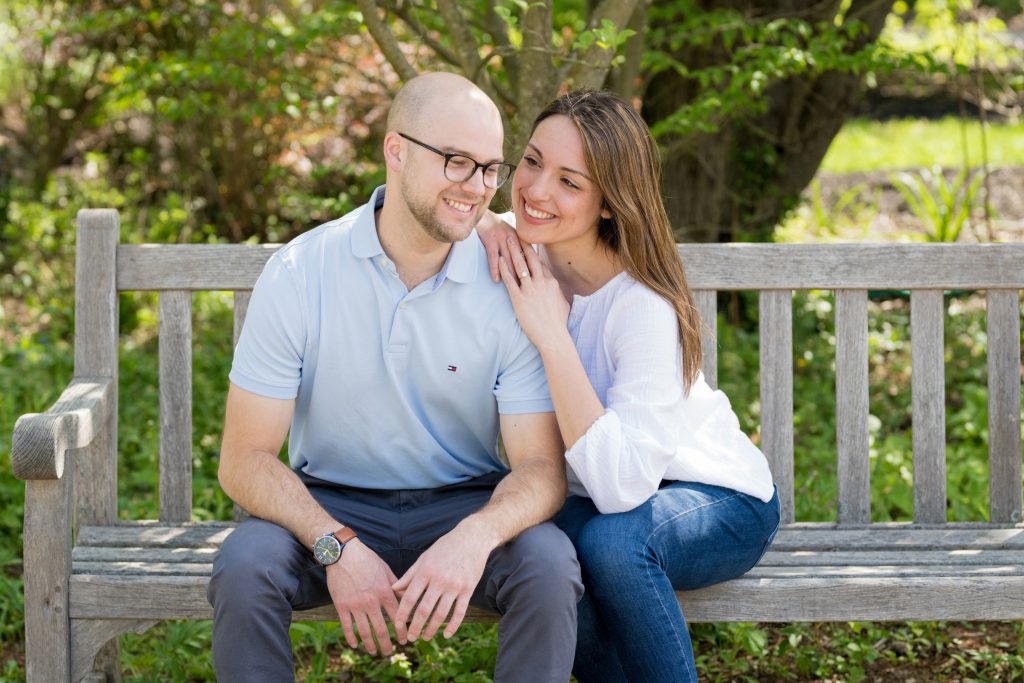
(344, 534)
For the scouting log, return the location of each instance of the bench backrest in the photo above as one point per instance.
(775, 271)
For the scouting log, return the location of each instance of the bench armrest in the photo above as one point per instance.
(41, 439)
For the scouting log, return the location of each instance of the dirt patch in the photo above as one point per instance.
(869, 207)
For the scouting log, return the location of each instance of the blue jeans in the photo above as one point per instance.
(685, 536)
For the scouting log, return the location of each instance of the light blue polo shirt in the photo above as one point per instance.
(394, 389)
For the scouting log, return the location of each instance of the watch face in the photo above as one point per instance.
(327, 550)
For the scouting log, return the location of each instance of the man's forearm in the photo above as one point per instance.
(530, 494)
(267, 488)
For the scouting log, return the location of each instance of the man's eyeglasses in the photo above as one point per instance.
(458, 168)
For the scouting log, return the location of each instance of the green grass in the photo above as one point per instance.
(864, 146)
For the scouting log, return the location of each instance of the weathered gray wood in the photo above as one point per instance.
(89, 638)
(707, 303)
(1004, 446)
(191, 266)
(776, 333)
(175, 406)
(163, 554)
(96, 336)
(132, 534)
(156, 571)
(241, 307)
(93, 559)
(806, 536)
(852, 406)
(708, 266)
(853, 266)
(892, 538)
(47, 561)
(927, 311)
(41, 440)
(771, 599)
(98, 560)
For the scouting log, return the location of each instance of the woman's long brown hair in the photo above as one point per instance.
(623, 160)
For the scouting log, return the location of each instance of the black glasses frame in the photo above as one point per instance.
(499, 166)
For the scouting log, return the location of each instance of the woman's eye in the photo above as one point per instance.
(530, 161)
(570, 183)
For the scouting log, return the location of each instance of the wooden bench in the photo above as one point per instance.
(90, 577)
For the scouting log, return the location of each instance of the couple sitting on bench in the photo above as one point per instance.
(379, 340)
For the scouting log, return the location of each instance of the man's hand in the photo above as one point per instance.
(360, 585)
(443, 580)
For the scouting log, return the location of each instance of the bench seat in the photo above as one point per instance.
(813, 572)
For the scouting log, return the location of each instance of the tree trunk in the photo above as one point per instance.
(741, 180)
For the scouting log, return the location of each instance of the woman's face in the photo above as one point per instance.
(555, 200)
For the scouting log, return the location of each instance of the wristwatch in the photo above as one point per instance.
(327, 548)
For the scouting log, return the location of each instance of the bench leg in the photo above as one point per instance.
(47, 552)
(95, 652)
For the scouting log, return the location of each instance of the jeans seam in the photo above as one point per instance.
(666, 613)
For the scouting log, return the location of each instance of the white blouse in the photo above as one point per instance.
(627, 337)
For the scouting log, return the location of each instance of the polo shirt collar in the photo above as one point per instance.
(460, 266)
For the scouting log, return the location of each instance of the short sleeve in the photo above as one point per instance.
(268, 358)
(522, 386)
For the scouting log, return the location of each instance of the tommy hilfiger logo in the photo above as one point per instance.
(452, 368)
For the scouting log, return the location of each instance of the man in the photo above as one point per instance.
(380, 340)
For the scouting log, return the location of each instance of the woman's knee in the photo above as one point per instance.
(611, 547)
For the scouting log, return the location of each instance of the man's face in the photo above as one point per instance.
(448, 211)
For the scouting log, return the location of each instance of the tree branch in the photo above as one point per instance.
(385, 40)
(402, 12)
(595, 62)
(624, 78)
(502, 44)
(462, 37)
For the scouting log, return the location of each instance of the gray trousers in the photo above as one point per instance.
(263, 572)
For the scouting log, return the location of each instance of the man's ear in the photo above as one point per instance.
(393, 156)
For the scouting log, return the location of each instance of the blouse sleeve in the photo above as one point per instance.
(623, 456)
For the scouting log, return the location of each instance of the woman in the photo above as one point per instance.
(668, 493)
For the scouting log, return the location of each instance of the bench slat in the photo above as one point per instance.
(776, 333)
(804, 536)
(241, 307)
(779, 599)
(91, 560)
(707, 303)
(708, 266)
(175, 406)
(852, 406)
(152, 533)
(927, 311)
(895, 572)
(1004, 406)
(191, 266)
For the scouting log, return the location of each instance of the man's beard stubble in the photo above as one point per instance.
(425, 214)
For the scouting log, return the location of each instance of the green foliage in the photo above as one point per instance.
(942, 205)
(754, 53)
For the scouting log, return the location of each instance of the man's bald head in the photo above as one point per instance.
(427, 98)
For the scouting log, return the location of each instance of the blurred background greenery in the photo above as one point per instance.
(255, 120)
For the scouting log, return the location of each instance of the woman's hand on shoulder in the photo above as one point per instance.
(536, 295)
(495, 234)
